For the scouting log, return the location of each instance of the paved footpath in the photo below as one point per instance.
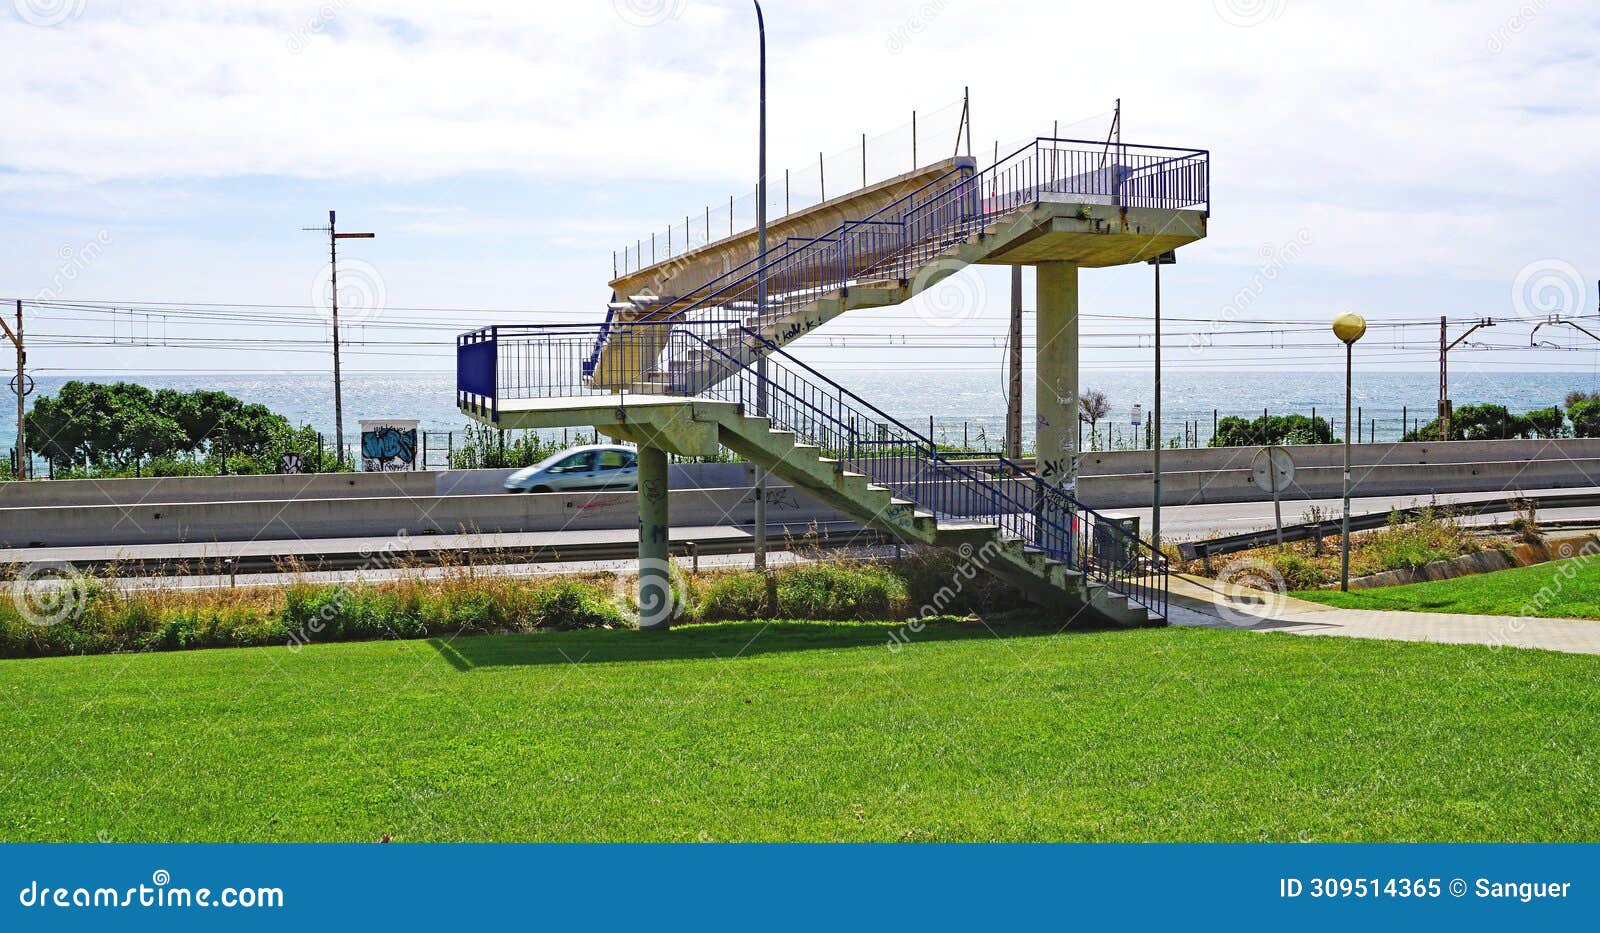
(1198, 601)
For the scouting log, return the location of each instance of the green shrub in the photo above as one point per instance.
(1298, 573)
(733, 597)
(1234, 431)
(841, 591)
(1433, 535)
(1545, 422)
(570, 604)
(942, 581)
(1585, 415)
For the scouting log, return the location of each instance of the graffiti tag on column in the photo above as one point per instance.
(1064, 394)
(655, 490)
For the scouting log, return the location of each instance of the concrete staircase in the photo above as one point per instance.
(891, 280)
(677, 373)
(984, 545)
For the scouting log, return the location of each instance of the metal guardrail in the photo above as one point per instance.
(1305, 531)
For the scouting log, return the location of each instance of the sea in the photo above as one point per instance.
(966, 407)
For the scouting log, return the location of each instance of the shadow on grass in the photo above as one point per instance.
(715, 640)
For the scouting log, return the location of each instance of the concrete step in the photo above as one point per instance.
(1048, 581)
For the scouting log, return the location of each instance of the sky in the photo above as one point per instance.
(1405, 161)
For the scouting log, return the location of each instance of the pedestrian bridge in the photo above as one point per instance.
(704, 365)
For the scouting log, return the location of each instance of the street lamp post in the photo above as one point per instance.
(761, 290)
(1348, 327)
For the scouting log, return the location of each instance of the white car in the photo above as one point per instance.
(595, 466)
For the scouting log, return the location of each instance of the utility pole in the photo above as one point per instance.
(1014, 360)
(333, 265)
(1444, 385)
(1445, 346)
(15, 336)
(761, 283)
(1165, 259)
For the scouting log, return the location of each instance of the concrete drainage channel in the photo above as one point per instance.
(1487, 560)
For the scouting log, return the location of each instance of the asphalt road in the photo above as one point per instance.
(1194, 522)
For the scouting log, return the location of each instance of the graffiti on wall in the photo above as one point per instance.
(388, 446)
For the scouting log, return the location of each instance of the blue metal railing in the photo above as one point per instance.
(784, 273)
(543, 361)
(669, 308)
(704, 342)
(865, 439)
(893, 242)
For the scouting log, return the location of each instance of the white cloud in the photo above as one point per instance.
(1419, 140)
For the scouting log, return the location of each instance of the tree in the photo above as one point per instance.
(1092, 406)
(114, 426)
(1578, 395)
(1545, 422)
(1486, 422)
(1585, 416)
(87, 422)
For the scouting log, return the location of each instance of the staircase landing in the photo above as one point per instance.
(1088, 235)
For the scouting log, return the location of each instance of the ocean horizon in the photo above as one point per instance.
(965, 405)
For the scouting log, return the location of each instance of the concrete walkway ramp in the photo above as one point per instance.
(1197, 601)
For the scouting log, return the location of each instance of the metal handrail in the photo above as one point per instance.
(725, 284)
(920, 230)
(541, 361)
(1054, 521)
(611, 313)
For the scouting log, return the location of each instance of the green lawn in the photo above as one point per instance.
(1558, 589)
(811, 731)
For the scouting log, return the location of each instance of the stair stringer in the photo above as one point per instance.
(942, 262)
(1048, 583)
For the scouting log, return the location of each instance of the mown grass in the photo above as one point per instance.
(1558, 589)
(805, 731)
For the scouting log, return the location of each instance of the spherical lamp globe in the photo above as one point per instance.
(1349, 326)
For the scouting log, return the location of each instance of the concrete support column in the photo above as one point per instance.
(1056, 372)
(1056, 401)
(655, 562)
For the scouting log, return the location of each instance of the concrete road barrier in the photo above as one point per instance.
(1196, 487)
(162, 490)
(375, 516)
(180, 509)
(1121, 462)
